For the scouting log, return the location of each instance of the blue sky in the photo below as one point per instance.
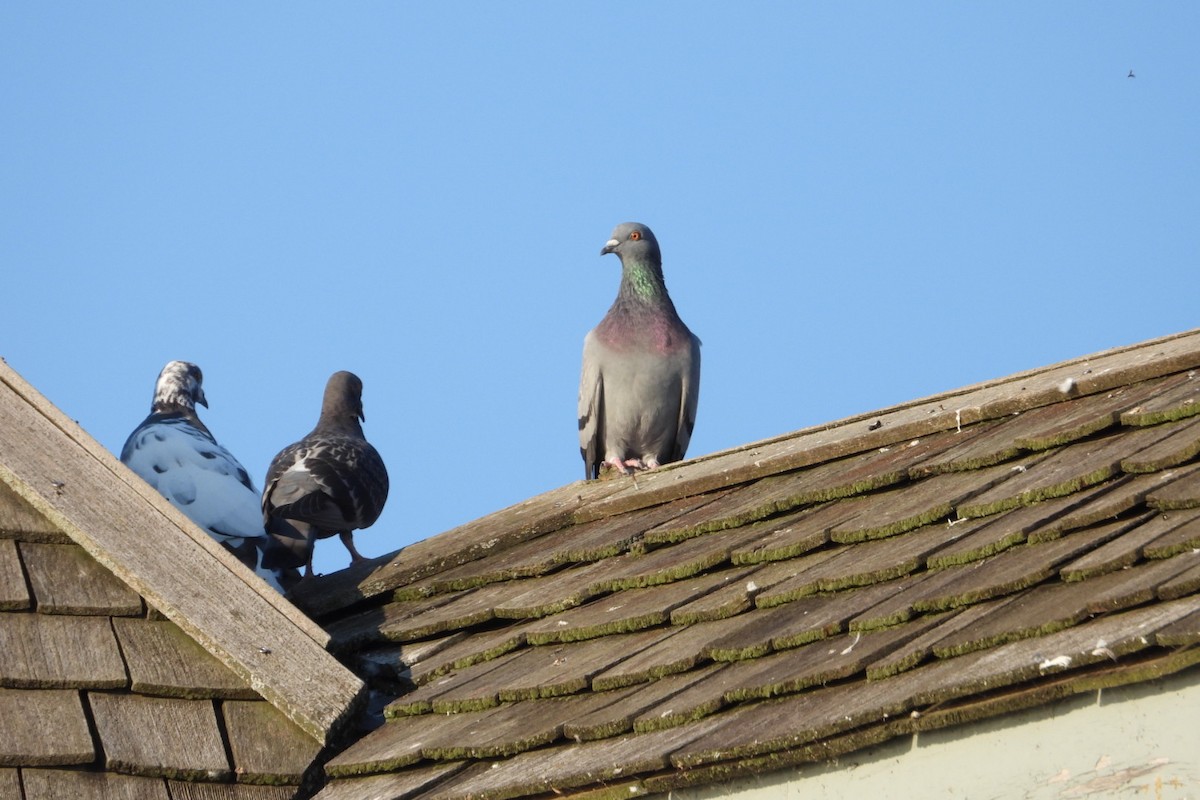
(858, 204)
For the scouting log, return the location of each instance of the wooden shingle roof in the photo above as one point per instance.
(137, 658)
(955, 558)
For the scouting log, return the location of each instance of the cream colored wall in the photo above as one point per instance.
(1119, 744)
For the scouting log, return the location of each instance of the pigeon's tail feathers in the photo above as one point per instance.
(288, 544)
(315, 509)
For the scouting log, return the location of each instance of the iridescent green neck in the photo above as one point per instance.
(642, 281)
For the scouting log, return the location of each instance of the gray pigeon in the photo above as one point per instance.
(641, 368)
(331, 481)
(174, 452)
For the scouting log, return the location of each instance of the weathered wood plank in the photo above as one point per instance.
(614, 535)
(267, 747)
(58, 784)
(784, 588)
(396, 745)
(818, 663)
(1183, 536)
(913, 652)
(1180, 633)
(1108, 501)
(791, 535)
(395, 662)
(928, 500)
(1180, 402)
(800, 621)
(1183, 492)
(759, 729)
(622, 612)
(564, 768)
(1064, 471)
(1015, 569)
(163, 660)
(732, 595)
(875, 561)
(1030, 659)
(1181, 446)
(14, 594)
(1043, 610)
(1138, 585)
(900, 607)
(148, 544)
(421, 700)
(1183, 584)
(43, 728)
(680, 652)
(162, 738)
(10, 785)
(66, 580)
(990, 535)
(44, 651)
(541, 597)
(504, 731)
(406, 784)
(664, 703)
(529, 559)
(538, 556)
(1063, 423)
(600, 715)
(677, 562)
(18, 520)
(551, 671)
(475, 648)
(181, 790)
(819, 483)
(1124, 551)
(535, 672)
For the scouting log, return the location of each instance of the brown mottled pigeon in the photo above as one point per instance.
(641, 368)
(331, 481)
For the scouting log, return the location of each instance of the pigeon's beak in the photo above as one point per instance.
(200, 398)
(609, 246)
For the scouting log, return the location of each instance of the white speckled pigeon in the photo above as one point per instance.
(641, 368)
(174, 452)
(331, 481)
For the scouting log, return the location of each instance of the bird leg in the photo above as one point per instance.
(347, 538)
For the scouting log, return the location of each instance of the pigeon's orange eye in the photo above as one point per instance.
(635, 235)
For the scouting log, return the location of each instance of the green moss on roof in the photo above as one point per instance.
(670, 718)
(782, 538)
(1180, 447)
(582, 632)
(464, 705)
(1180, 402)
(852, 532)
